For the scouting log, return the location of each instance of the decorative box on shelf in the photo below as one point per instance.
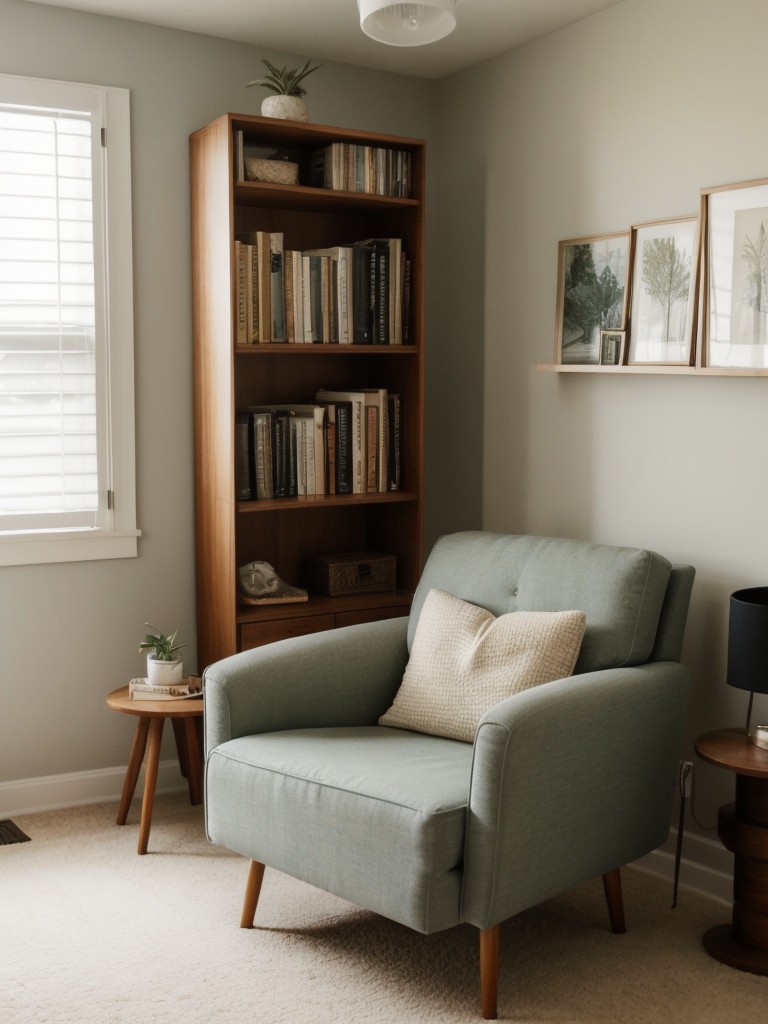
(356, 572)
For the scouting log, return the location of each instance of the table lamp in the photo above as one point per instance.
(748, 650)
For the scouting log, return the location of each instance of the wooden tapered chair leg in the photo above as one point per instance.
(489, 970)
(252, 890)
(615, 900)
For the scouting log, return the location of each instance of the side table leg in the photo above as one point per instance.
(194, 761)
(180, 736)
(138, 746)
(150, 781)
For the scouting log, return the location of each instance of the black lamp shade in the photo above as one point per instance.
(748, 640)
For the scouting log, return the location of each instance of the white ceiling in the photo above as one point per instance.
(330, 29)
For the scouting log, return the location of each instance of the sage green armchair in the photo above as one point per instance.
(564, 782)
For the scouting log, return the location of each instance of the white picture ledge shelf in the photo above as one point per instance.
(698, 371)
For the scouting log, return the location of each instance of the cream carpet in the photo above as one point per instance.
(91, 932)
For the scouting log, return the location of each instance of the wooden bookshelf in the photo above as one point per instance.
(227, 377)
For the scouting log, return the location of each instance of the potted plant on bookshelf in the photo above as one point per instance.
(286, 101)
(164, 667)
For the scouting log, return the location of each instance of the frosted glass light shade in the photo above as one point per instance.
(407, 24)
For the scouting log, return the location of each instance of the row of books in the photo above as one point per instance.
(345, 442)
(349, 167)
(354, 294)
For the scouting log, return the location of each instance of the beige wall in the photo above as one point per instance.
(69, 633)
(619, 119)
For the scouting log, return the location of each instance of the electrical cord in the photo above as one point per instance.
(686, 773)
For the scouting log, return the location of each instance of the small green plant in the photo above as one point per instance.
(164, 647)
(284, 82)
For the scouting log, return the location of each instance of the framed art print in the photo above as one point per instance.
(612, 347)
(591, 294)
(735, 225)
(664, 287)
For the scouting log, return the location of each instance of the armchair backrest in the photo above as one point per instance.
(635, 600)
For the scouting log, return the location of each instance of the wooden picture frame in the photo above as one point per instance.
(735, 286)
(664, 276)
(612, 346)
(592, 289)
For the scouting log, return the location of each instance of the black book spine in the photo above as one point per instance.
(316, 295)
(394, 430)
(293, 482)
(244, 484)
(361, 295)
(261, 434)
(381, 299)
(343, 447)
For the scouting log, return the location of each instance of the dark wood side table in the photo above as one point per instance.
(186, 716)
(743, 829)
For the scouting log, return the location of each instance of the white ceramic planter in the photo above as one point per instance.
(164, 673)
(288, 108)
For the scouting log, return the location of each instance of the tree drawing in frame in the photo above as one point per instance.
(592, 294)
(736, 293)
(749, 289)
(663, 295)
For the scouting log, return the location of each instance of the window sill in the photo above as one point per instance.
(66, 546)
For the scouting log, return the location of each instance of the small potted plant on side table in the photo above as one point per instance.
(164, 668)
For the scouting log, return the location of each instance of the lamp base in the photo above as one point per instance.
(759, 736)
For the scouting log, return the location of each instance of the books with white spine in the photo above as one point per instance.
(190, 686)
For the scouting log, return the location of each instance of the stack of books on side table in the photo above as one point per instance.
(190, 686)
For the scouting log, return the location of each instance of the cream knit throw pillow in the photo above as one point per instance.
(464, 660)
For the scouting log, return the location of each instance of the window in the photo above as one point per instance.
(67, 486)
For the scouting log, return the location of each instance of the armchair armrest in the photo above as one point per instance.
(570, 780)
(345, 676)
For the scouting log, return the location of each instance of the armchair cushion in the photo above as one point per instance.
(376, 816)
(464, 661)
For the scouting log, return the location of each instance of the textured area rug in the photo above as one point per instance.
(94, 934)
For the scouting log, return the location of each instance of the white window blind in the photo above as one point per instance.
(48, 429)
(58, 388)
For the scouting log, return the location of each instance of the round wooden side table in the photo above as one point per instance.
(743, 829)
(186, 717)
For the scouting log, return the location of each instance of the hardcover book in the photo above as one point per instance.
(191, 686)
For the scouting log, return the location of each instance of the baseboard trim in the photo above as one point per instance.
(73, 789)
(705, 866)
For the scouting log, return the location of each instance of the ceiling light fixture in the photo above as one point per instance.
(407, 24)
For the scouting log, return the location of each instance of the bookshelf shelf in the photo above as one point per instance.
(321, 605)
(310, 502)
(230, 377)
(257, 193)
(326, 351)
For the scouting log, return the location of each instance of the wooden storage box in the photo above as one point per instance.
(355, 573)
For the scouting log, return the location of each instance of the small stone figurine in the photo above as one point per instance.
(260, 584)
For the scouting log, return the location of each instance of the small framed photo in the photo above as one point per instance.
(612, 347)
(735, 247)
(664, 287)
(592, 282)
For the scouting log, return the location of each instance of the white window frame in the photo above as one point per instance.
(116, 535)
